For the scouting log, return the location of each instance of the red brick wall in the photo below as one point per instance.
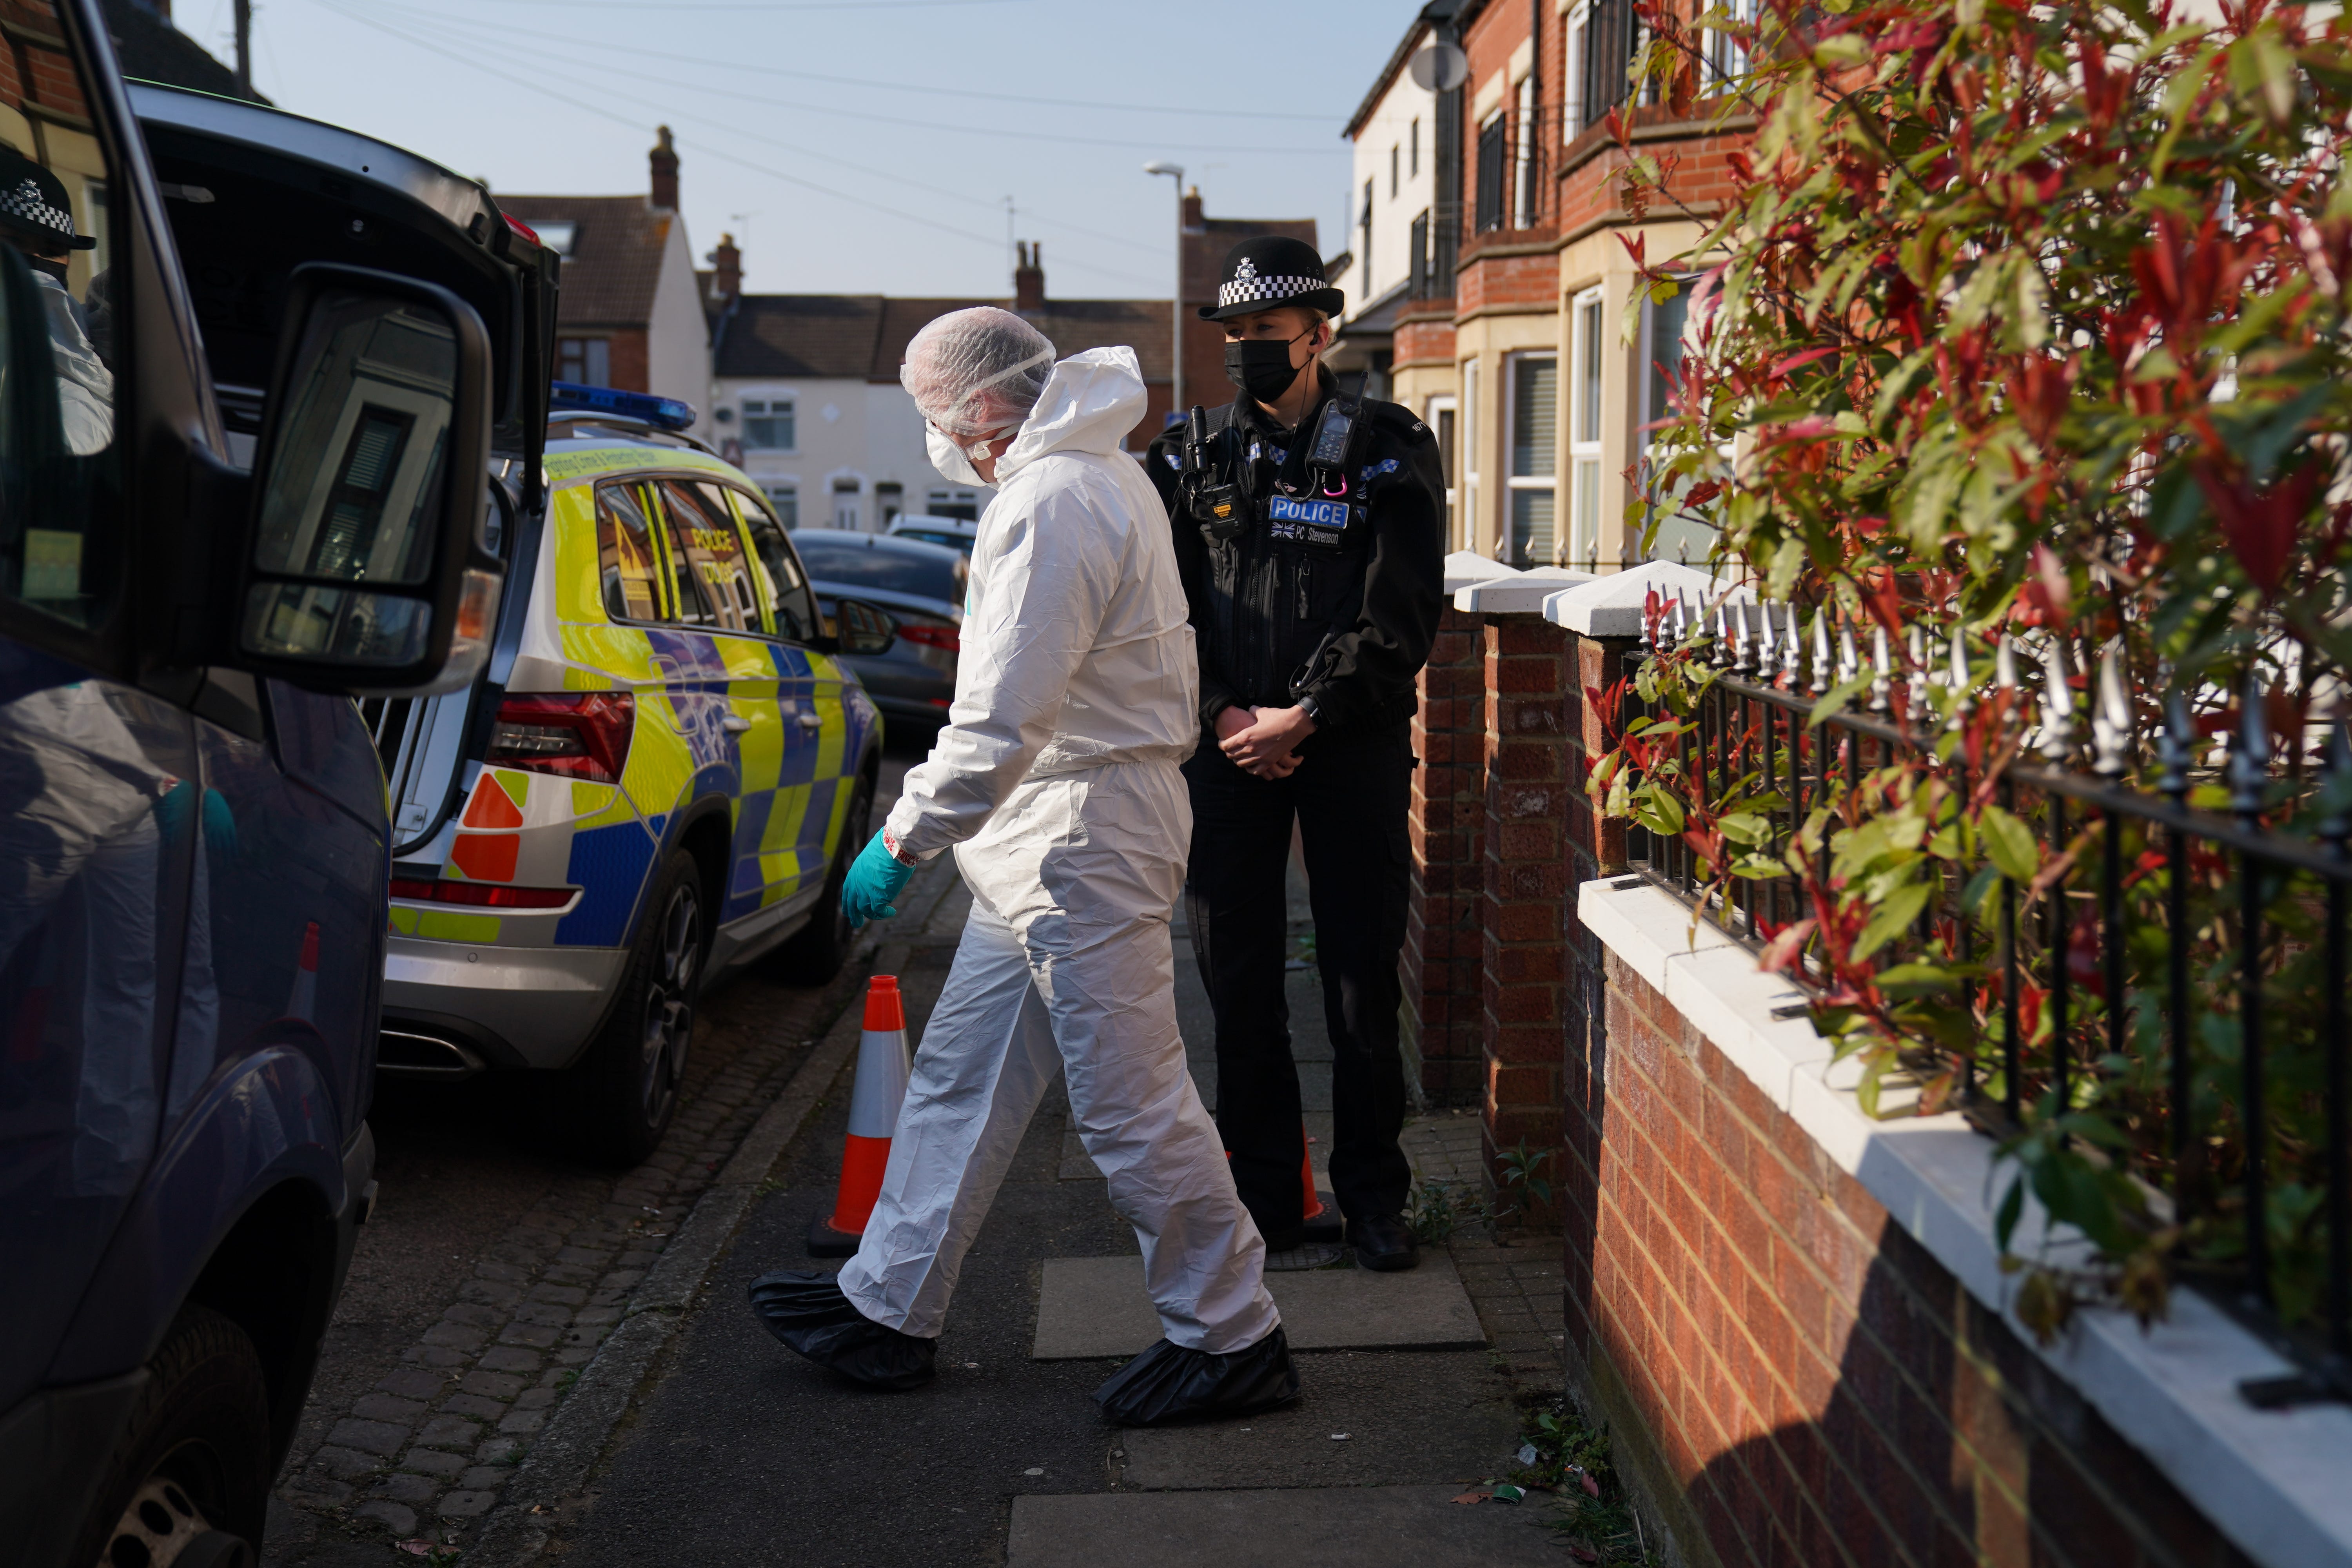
(1529, 877)
(1818, 1389)
(1530, 280)
(630, 367)
(1442, 953)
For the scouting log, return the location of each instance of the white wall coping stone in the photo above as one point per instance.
(1521, 594)
(1465, 567)
(2277, 1483)
(1611, 606)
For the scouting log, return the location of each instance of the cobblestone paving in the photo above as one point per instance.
(1513, 1276)
(428, 1449)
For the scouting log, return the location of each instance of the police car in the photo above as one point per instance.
(664, 776)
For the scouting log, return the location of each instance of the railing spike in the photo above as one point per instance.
(2056, 741)
(1738, 614)
(2111, 716)
(1682, 620)
(2338, 826)
(1849, 664)
(1963, 679)
(1914, 685)
(1881, 671)
(2250, 755)
(1793, 646)
(2004, 663)
(1821, 682)
(1651, 607)
(2176, 744)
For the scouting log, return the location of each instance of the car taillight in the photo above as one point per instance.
(484, 895)
(579, 735)
(948, 638)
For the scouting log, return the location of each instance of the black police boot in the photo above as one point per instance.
(1168, 1385)
(1384, 1242)
(807, 1310)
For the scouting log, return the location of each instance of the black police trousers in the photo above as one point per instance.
(1349, 795)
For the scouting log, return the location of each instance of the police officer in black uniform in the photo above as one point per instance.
(1310, 535)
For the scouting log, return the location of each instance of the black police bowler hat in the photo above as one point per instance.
(1273, 270)
(34, 204)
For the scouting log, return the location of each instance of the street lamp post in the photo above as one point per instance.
(1176, 311)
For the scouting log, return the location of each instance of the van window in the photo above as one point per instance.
(625, 555)
(710, 556)
(60, 488)
(787, 585)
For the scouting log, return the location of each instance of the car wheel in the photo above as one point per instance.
(628, 1081)
(188, 1485)
(816, 954)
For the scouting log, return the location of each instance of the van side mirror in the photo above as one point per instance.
(364, 568)
(860, 628)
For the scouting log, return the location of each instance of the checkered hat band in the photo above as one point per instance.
(1245, 290)
(25, 205)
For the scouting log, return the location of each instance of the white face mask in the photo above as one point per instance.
(950, 461)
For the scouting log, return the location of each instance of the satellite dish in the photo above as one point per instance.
(1441, 68)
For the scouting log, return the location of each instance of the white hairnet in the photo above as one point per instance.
(978, 372)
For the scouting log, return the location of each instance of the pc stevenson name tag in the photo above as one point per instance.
(1323, 522)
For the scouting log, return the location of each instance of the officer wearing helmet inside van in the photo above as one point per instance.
(1310, 535)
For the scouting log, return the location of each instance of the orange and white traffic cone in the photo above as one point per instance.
(302, 1002)
(873, 1113)
(1322, 1219)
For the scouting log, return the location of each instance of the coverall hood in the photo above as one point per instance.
(1090, 402)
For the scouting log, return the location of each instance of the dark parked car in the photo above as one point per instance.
(246, 475)
(922, 587)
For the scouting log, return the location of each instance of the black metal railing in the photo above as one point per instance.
(2175, 961)
(1513, 162)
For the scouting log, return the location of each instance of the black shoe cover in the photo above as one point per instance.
(806, 1310)
(1168, 1385)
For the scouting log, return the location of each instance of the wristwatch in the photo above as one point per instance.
(1309, 706)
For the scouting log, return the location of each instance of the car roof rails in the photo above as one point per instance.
(574, 423)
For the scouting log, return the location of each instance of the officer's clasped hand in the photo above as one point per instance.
(1264, 746)
(875, 878)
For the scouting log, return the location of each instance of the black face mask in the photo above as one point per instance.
(55, 269)
(1261, 366)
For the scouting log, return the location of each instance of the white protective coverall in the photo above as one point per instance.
(1056, 782)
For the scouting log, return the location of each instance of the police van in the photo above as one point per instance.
(667, 778)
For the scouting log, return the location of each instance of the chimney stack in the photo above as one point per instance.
(1193, 223)
(727, 267)
(1029, 277)
(662, 161)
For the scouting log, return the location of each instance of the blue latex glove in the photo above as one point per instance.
(875, 878)
(220, 827)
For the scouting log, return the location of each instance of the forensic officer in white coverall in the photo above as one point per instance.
(1057, 785)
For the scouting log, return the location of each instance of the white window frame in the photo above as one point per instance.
(1514, 484)
(1685, 537)
(1572, 67)
(1727, 56)
(779, 492)
(1467, 463)
(1522, 154)
(1458, 535)
(1588, 406)
(769, 399)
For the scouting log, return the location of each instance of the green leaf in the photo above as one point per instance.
(2010, 845)
(1894, 917)
(2013, 1209)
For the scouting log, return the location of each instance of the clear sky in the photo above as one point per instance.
(862, 145)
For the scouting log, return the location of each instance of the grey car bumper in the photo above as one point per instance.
(521, 1006)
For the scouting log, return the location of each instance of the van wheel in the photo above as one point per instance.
(816, 954)
(188, 1485)
(628, 1081)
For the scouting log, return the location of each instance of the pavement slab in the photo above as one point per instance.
(1341, 1528)
(1093, 1307)
(1362, 1421)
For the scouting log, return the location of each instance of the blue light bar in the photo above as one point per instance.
(663, 412)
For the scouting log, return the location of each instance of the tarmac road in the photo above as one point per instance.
(457, 1167)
